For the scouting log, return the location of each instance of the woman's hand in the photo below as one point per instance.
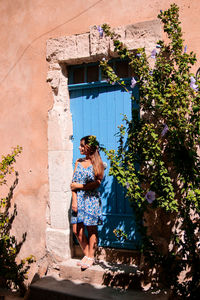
(75, 186)
(86, 187)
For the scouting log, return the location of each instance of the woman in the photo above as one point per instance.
(86, 202)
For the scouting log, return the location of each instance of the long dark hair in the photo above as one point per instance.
(92, 147)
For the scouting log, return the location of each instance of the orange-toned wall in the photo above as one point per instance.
(26, 25)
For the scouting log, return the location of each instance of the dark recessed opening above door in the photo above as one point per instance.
(86, 73)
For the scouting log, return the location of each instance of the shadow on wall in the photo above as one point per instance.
(12, 274)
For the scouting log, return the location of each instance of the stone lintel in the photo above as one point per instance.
(88, 46)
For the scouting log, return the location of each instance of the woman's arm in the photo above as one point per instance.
(76, 164)
(86, 187)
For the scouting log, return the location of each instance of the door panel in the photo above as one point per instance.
(98, 110)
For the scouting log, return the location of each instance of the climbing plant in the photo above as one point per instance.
(12, 273)
(157, 160)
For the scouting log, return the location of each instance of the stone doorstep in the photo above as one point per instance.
(102, 273)
(120, 256)
(54, 288)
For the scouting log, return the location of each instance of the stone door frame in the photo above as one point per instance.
(71, 50)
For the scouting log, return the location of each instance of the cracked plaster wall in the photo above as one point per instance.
(76, 49)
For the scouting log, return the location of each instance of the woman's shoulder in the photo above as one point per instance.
(76, 163)
(79, 160)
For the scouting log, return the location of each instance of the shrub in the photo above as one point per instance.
(12, 274)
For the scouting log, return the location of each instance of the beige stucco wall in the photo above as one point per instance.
(26, 98)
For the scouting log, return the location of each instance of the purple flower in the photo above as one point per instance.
(105, 165)
(164, 131)
(193, 85)
(127, 185)
(138, 54)
(150, 162)
(158, 46)
(150, 196)
(153, 53)
(151, 73)
(161, 11)
(133, 82)
(185, 49)
(100, 30)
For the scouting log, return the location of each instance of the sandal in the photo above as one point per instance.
(79, 263)
(88, 264)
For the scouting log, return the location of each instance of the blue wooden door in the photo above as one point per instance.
(97, 109)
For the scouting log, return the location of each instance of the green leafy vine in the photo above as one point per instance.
(157, 160)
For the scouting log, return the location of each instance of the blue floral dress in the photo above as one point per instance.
(88, 202)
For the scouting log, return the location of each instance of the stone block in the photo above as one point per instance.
(144, 30)
(54, 66)
(144, 34)
(67, 48)
(60, 207)
(60, 170)
(59, 130)
(73, 47)
(83, 45)
(112, 274)
(58, 242)
(99, 46)
(120, 31)
(61, 49)
(53, 77)
(52, 49)
(70, 271)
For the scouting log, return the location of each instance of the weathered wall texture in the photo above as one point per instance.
(26, 97)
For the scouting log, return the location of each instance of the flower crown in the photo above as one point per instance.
(93, 141)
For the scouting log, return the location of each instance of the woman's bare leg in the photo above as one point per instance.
(78, 230)
(93, 240)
